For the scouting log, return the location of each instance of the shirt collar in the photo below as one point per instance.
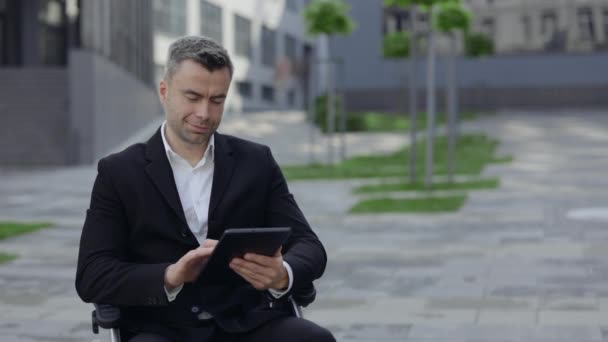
(172, 154)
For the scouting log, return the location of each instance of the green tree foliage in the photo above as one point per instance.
(452, 16)
(478, 45)
(328, 17)
(423, 4)
(396, 45)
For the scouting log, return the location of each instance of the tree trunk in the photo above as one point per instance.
(430, 103)
(451, 110)
(413, 94)
(342, 101)
(312, 109)
(331, 113)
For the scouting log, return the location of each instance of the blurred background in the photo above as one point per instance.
(77, 68)
(450, 154)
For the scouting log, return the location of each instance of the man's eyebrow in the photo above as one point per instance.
(191, 92)
(218, 96)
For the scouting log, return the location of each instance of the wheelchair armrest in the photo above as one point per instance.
(305, 295)
(105, 316)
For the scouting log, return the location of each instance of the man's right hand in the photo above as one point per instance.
(188, 267)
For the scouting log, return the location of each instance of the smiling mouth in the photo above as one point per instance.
(200, 129)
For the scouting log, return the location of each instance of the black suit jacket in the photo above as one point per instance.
(135, 228)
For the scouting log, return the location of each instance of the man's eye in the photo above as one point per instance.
(192, 98)
(218, 101)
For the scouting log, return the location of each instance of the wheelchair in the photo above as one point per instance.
(108, 317)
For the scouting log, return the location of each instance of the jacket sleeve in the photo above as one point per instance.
(103, 273)
(303, 251)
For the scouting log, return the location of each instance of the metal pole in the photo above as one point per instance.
(331, 114)
(430, 101)
(457, 38)
(114, 335)
(413, 94)
(342, 98)
(451, 102)
(312, 110)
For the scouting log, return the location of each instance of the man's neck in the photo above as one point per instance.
(190, 152)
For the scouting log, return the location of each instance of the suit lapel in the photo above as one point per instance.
(160, 173)
(222, 174)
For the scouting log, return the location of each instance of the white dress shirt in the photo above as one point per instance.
(194, 189)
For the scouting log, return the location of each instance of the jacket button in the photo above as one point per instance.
(184, 233)
(195, 309)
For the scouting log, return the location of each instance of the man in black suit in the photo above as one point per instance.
(157, 210)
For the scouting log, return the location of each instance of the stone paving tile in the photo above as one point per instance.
(504, 332)
(512, 265)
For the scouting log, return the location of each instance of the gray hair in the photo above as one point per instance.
(202, 50)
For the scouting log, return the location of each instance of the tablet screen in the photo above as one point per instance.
(235, 243)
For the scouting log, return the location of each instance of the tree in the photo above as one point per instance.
(450, 19)
(478, 45)
(444, 15)
(396, 46)
(328, 18)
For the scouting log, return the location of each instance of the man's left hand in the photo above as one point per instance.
(262, 272)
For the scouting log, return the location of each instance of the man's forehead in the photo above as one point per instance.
(202, 79)
(192, 65)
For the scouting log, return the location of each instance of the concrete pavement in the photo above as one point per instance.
(525, 262)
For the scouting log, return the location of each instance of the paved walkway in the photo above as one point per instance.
(521, 263)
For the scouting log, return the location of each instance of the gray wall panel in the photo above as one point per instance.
(118, 104)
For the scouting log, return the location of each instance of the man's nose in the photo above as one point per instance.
(202, 111)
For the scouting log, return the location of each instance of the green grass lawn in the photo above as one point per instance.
(9, 229)
(374, 121)
(6, 257)
(467, 185)
(418, 205)
(384, 122)
(473, 153)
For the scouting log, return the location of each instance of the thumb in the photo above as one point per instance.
(279, 252)
(209, 243)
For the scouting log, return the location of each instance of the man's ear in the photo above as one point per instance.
(163, 89)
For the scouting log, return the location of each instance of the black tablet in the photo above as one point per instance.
(235, 243)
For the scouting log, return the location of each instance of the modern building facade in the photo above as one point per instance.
(538, 75)
(266, 39)
(531, 26)
(77, 78)
(528, 26)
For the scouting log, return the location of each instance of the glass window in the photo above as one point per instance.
(489, 27)
(245, 89)
(292, 5)
(268, 93)
(242, 36)
(585, 23)
(170, 17)
(290, 48)
(549, 23)
(268, 46)
(291, 97)
(527, 27)
(211, 21)
(3, 40)
(52, 38)
(605, 24)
